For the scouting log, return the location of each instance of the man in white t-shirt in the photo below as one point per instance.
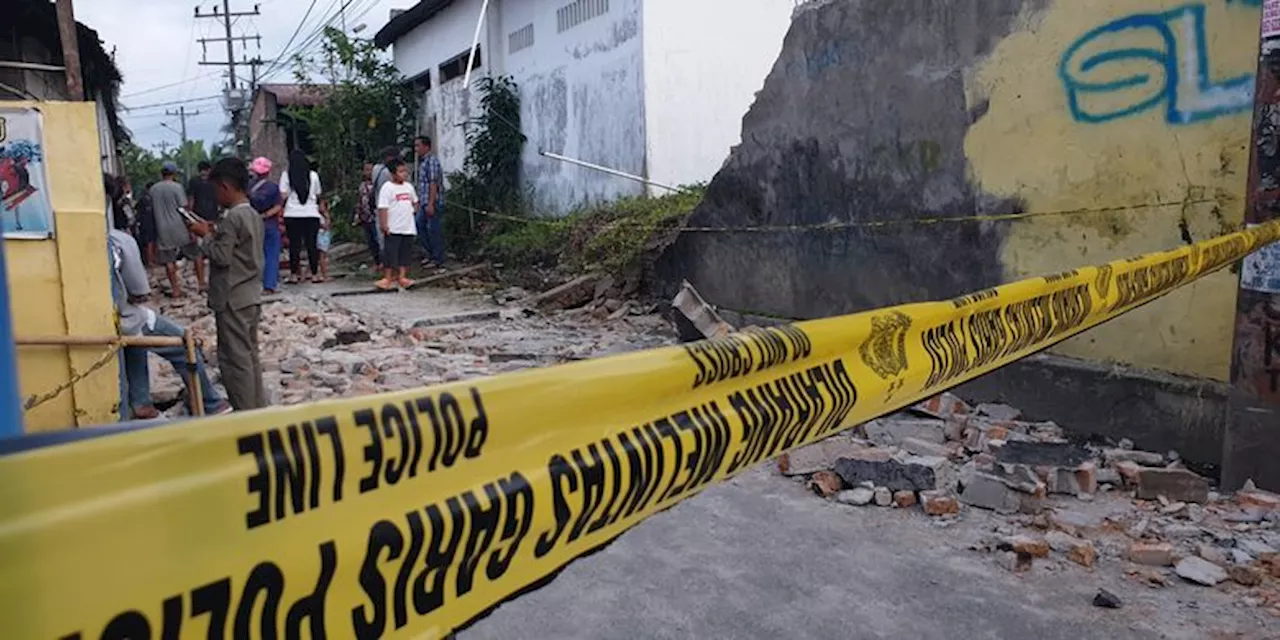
(397, 202)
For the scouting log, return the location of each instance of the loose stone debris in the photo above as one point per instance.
(1065, 503)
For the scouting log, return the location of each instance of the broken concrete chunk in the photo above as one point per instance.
(693, 317)
(1082, 480)
(859, 496)
(943, 405)
(883, 496)
(987, 491)
(1128, 471)
(998, 411)
(1152, 554)
(887, 432)
(1213, 554)
(1174, 484)
(938, 503)
(1020, 477)
(925, 448)
(913, 473)
(1247, 576)
(1200, 571)
(819, 456)
(1062, 542)
(1044, 454)
(1144, 458)
(1106, 600)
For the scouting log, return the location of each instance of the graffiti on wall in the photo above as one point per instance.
(1151, 61)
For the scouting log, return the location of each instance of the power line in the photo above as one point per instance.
(171, 103)
(293, 37)
(168, 86)
(317, 35)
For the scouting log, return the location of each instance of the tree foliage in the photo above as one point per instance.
(490, 178)
(367, 105)
(143, 165)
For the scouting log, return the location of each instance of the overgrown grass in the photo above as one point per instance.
(612, 237)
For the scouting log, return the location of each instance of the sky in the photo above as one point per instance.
(155, 47)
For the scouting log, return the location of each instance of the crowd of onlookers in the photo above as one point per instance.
(236, 218)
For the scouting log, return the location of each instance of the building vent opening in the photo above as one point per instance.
(520, 39)
(578, 12)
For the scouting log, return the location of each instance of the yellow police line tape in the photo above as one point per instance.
(410, 514)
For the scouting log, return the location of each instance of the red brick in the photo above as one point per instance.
(905, 499)
(1153, 554)
(938, 503)
(826, 483)
(1034, 547)
(1083, 554)
(1129, 471)
(944, 406)
(1257, 499)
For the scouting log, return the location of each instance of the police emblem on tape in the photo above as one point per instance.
(1103, 282)
(885, 350)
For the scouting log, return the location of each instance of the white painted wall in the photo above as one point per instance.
(704, 62)
(582, 97)
(581, 92)
(657, 88)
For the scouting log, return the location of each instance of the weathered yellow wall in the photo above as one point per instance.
(62, 286)
(1172, 169)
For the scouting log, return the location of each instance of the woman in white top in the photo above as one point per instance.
(300, 189)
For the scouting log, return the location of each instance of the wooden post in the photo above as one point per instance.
(70, 50)
(1251, 442)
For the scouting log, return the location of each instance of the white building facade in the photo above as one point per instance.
(654, 88)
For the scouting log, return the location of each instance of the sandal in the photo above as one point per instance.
(384, 284)
(405, 283)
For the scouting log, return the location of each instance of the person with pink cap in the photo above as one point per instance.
(264, 196)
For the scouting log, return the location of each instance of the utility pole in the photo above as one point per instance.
(67, 32)
(182, 115)
(235, 98)
(1251, 442)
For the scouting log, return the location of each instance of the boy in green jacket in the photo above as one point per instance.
(235, 284)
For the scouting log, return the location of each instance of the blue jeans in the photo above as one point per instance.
(374, 240)
(137, 373)
(431, 235)
(271, 254)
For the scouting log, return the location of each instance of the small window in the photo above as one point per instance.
(578, 12)
(520, 39)
(422, 83)
(456, 67)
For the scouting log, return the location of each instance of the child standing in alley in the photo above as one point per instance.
(324, 238)
(235, 284)
(397, 202)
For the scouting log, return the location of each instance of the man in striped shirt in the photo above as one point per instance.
(431, 211)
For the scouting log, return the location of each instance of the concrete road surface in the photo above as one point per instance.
(761, 557)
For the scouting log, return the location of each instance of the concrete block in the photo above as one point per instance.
(987, 491)
(819, 456)
(1144, 458)
(1152, 554)
(1200, 571)
(1044, 454)
(920, 447)
(892, 431)
(998, 411)
(1175, 484)
(913, 473)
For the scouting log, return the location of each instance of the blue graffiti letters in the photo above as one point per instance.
(1144, 61)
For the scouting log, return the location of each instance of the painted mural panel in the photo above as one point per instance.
(25, 208)
(1138, 115)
